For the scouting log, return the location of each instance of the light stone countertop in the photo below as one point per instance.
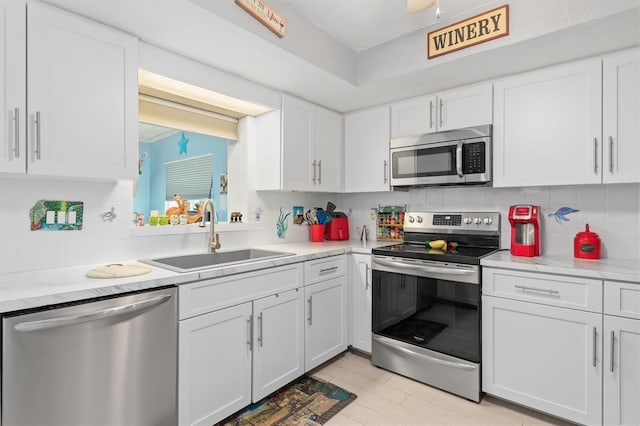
(35, 289)
(604, 269)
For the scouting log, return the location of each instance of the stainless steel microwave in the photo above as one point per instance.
(455, 157)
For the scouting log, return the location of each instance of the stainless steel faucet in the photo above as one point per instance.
(214, 240)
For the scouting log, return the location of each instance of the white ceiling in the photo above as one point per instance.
(363, 24)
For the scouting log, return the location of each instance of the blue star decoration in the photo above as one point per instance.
(183, 145)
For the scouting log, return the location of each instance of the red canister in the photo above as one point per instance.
(586, 244)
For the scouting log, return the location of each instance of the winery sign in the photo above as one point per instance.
(469, 32)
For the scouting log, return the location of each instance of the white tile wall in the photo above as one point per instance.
(105, 242)
(612, 211)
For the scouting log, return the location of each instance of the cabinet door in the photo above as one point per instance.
(415, 116)
(366, 150)
(328, 150)
(13, 32)
(543, 357)
(547, 126)
(326, 322)
(82, 96)
(298, 133)
(278, 330)
(621, 117)
(466, 107)
(621, 371)
(361, 302)
(214, 365)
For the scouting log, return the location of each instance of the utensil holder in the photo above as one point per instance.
(316, 233)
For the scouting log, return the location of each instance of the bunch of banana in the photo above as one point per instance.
(437, 244)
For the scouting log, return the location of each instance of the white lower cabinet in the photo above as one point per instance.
(361, 302)
(622, 354)
(234, 355)
(278, 352)
(544, 357)
(325, 310)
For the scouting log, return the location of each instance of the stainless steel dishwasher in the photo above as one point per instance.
(105, 362)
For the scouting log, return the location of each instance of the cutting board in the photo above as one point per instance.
(118, 270)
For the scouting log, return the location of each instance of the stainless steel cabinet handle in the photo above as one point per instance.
(250, 334)
(325, 270)
(366, 277)
(319, 172)
(38, 129)
(16, 131)
(544, 290)
(611, 154)
(431, 114)
(450, 271)
(310, 301)
(386, 177)
(314, 171)
(459, 159)
(613, 339)
(595, 344)
(440, 112)
(595, 155)
(261, 335)
(93, 316)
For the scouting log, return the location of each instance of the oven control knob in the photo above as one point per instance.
(467, 221)
(488, 221)
(411, 219)
(419, 219)
(477, 220)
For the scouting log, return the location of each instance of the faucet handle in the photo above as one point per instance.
(216, 241)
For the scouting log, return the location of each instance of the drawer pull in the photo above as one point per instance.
(544, 290)
(325, 270)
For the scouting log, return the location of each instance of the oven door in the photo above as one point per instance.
(426, 322)
(415, 165)
(431, 305)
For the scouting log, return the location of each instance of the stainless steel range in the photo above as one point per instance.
(426, 299)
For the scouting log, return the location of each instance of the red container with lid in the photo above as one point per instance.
(586, 244)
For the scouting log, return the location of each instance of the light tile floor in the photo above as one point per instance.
(385, 399)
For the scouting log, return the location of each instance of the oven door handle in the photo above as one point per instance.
(459, 159)
(458, 365)
(424, 268)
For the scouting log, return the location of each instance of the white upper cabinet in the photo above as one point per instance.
(366, 150)
(299, 148)
(12, 79)
(82, 96)
(621, 117)
(577, 123)
(547, 126)
(453, 109)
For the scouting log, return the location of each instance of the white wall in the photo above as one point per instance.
(612, 211)
(105, 242)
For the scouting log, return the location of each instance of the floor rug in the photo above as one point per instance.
(305, 402)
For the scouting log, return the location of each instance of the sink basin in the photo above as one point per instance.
(195, 262)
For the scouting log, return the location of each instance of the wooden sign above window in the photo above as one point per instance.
(469, 32)
(268, 17)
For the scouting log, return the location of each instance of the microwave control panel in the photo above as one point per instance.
(473, 158)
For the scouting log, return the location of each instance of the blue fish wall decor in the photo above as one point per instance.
(561, 213)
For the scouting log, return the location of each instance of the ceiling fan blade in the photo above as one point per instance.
(414, 6)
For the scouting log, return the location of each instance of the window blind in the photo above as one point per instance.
(192, 178)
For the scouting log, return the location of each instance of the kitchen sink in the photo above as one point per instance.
(196, 262)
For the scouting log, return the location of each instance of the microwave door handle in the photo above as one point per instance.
(459, 159)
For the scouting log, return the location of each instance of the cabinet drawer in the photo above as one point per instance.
(323, 269)
(569, 292)
(622, 299)
(208, 295)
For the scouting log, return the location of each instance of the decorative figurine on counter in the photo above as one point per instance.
(183, 209)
